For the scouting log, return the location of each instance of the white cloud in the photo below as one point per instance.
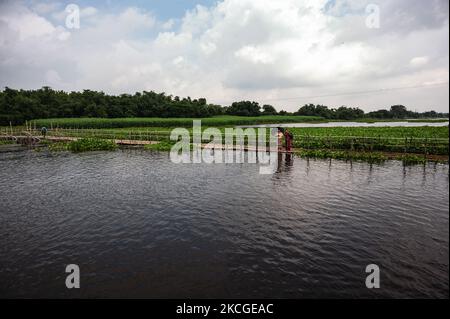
(255, 55)
(88, 11)
(45, 7)
(136, 18)
(28, 25)
(169, 24)
(178, 60)
(419, 61)
(237, 49)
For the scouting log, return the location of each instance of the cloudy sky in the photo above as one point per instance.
(285, 52)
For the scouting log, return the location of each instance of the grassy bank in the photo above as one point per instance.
(419, 140)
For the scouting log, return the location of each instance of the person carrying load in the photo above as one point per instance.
(289, 137)
(280, 136)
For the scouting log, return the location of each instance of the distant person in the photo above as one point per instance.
(280, 138)
(44, 131)
(288, 136)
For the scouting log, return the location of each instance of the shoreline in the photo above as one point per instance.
(345, 155)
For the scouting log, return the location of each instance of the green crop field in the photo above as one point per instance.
(390, 132)
(417, 140)
(169, 122)
(426, 139)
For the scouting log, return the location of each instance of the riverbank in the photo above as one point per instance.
(409, 144)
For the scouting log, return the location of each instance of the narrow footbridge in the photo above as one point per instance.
(26, 138)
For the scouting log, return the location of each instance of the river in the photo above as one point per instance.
(139, 225)
(354, 124)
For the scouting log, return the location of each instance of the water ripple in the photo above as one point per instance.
(141, 226)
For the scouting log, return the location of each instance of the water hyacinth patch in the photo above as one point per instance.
(89, 144)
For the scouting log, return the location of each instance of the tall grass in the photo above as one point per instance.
(390, 132)
(430, 140)
(168, 122)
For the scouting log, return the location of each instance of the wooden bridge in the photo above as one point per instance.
(29, 139)
(25, 138)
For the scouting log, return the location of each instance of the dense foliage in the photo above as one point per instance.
(347, 113)
(17, 106)
(244, 108)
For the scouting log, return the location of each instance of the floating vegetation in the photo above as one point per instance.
(411, 159)
(371, 157)
(91, 144)
(7, 142)
(58, 146)
(164, 146)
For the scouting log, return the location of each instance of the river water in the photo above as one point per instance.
(354, 124)
(139, 225)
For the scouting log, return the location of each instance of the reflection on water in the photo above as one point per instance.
(285, 163)
(141, 226)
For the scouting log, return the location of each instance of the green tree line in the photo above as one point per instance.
(18, 106)
(351, 113)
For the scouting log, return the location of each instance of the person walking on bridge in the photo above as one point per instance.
(44, 131)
